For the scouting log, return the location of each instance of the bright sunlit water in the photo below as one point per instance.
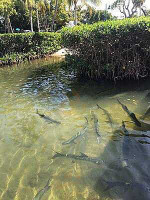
(28, 142)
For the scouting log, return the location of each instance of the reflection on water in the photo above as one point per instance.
(28, 142)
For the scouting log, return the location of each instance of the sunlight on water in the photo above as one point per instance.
(28, 142)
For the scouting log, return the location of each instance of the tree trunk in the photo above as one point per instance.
(38, 22)
(75, 12)
(144, 12)
(31, 20)
(5, 24)
(8, 27)
(53, 20)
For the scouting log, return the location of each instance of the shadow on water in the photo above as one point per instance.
(126, 175)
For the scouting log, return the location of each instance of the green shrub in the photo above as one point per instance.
(29, 43)
(112, 49)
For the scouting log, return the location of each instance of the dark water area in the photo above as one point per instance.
(34, 97)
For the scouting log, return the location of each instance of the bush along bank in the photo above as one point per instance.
(117, 49)
(18, 47)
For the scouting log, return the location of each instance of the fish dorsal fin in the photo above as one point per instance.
(84, 155)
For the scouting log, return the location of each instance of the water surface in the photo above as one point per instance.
(28, 142)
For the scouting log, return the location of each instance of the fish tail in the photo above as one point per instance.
(98, 106)
(37, 111)
(64, 143)
(48, 182)
(57, 154)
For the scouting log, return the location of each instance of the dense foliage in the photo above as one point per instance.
(19, 46)
(91, 16)
(112, 49)
(33, 15)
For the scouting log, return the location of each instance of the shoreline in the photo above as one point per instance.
(20, 58)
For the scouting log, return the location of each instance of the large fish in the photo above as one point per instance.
(82, 156)
(126, 132)
(48, 119)
(110, 120)
(40, 194)
(96, 126)
(130, 114)
(79, 134)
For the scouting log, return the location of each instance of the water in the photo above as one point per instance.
(28, 142)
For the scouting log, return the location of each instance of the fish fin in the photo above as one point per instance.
(83, 154)
(74, 142)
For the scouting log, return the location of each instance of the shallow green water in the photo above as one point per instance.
(28, 142)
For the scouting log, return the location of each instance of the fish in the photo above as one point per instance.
(82, 156)
(111, 184)
(79, 134)
(110, 120)
(96, 126)
(48, 119)
(40, 194)
(130, 114)
(126, 133)
(143, 142)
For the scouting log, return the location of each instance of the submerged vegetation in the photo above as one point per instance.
(114, 49)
